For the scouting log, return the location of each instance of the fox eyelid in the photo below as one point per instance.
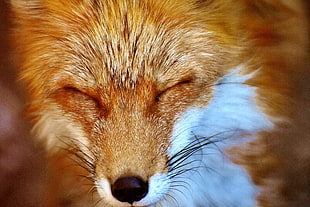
(71, 88)
(75, 90)
(178, 84)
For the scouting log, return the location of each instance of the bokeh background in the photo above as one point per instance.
(21, 166)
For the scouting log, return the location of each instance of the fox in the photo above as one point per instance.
(168, 103)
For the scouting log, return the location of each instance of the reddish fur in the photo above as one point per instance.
(271, 34)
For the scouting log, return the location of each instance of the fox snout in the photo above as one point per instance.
(125, 149)
(134, 190)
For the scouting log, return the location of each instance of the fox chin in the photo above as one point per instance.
(167, 103)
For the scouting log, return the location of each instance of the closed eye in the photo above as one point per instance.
(73, 97)
(72, 89)
(74, 93)
(178, 85)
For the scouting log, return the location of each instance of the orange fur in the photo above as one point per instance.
(122, 73)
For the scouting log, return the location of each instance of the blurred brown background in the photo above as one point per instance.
(21, 170)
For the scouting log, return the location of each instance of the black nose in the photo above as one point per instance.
(129, 189)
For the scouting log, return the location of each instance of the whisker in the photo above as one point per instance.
(186, 160)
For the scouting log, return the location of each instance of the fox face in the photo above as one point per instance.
(153, 97)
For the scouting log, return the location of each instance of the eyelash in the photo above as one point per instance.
(73, 89)
(76, 93)
(177, 85)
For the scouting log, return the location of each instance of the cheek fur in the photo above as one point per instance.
(57, 132)
(201, 138)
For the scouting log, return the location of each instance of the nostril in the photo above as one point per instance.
(129, 189)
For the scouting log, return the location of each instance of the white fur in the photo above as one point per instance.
(57, 131)
(159, 185)
(217, 182)
(232, 111)
(104, 190)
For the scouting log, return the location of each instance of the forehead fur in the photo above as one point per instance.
(125, 41)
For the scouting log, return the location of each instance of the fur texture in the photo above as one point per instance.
(201, 99)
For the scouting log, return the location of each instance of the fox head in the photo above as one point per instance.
(124, 83)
